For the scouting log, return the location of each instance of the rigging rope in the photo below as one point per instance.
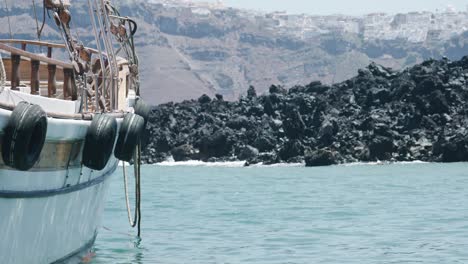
(134, 221)
(138, 186)
(8, 17)
(2, 74)
(43, 18)
(37, 22)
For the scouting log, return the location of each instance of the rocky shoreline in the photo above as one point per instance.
(419, 113)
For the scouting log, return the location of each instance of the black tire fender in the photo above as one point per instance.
(99, 142)
(129, 136)
(24, 136)
(142, 109)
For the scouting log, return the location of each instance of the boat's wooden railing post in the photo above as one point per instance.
(35, 85)
(15, 73)
(67, 79)
(52, 81)
(49, 52)
(74, 89)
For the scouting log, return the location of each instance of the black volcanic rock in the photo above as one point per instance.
(204, 99)
(239, 122)
(381, 148)
(268, 106)
(219, 97)
(251, 92)
(184, 153)
(291, 149)
(454, 148)
(248, 153)
(416, 114)
(216, 145)
(275, 89)
(321, 157)
(294, 126)
(265, 143)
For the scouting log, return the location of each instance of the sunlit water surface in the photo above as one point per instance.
(403, 213)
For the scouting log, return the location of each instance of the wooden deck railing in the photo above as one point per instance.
(52, 74)
(20, 55)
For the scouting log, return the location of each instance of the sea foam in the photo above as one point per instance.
(170, 162)
(376, 163)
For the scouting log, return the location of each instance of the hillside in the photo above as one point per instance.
(189, 49)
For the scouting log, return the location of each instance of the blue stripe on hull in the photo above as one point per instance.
(54, 192)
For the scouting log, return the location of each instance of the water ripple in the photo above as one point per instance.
(395, 213)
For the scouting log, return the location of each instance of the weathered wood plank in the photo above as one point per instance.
(52, 80)
(67, 79)
(15, 77)
(33, 56)
(25, 70)
(35, 76)
(33, 42)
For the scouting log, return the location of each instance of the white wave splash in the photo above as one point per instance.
(226, 164)
(278, 165)
(170, 162)
(197, 163)
(377, 163)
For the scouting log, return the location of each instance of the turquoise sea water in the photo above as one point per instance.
(413, 213)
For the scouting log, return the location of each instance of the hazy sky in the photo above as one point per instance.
(353, 7)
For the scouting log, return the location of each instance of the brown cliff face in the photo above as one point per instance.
(187, 51)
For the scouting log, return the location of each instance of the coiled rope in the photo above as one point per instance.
(134, 221)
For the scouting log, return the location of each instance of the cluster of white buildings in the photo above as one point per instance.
(414, 27)
(218, 4)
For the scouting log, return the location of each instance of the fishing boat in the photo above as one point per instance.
(65, 122)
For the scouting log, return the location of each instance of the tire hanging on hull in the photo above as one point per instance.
(24, 137)
(142, 109)
(129, 136)
(99, 142)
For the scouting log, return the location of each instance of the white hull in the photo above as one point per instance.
(52, 228)
(49, 214)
